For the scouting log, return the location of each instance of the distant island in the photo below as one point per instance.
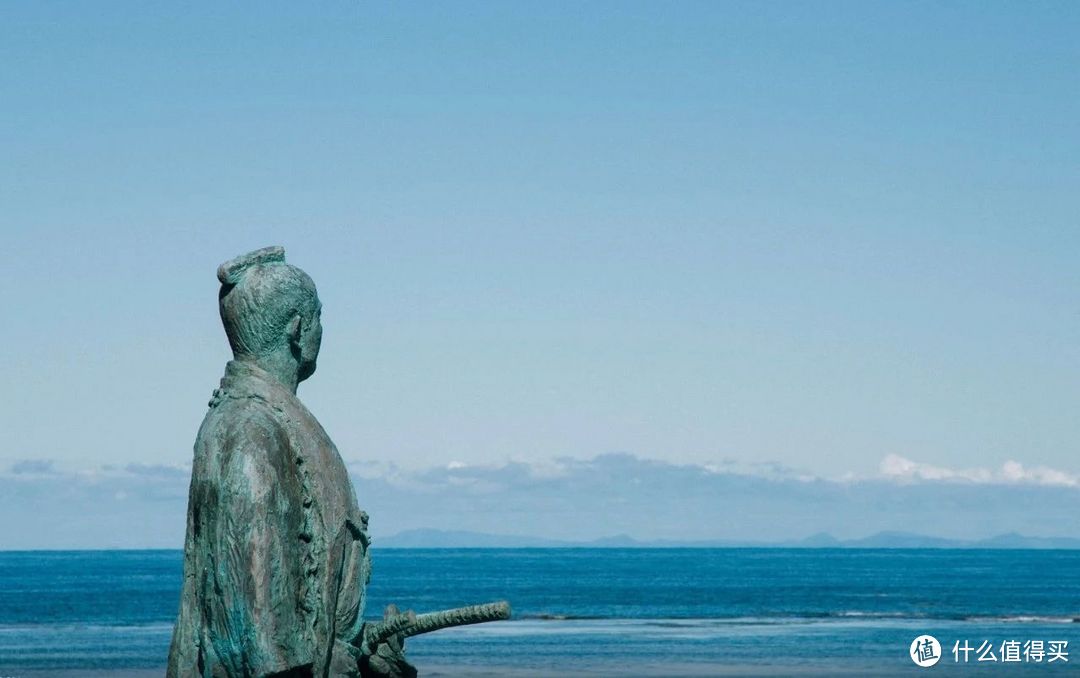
(880, 540)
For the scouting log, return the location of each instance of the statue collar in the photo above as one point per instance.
(245, 380)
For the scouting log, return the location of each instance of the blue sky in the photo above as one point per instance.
(813, 235)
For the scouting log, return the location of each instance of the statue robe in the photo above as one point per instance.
(276, 553)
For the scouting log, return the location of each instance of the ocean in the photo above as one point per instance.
(603, 612)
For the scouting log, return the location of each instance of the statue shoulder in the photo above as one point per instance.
(248, 426)
(235, 414)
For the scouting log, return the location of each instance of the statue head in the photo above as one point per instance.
(271, 313)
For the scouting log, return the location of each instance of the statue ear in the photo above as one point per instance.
(293, 329)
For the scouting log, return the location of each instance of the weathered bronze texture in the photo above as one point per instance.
(276, 554)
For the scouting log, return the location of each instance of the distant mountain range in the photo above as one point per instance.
(881, 540)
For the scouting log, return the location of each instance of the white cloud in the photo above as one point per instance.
(136, 506)
(897, 468)
(1040, 475)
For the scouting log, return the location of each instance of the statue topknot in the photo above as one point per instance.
(232, 270)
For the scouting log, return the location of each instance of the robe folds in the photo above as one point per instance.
(276, 553)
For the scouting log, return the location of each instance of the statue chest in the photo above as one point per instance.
(322, 472)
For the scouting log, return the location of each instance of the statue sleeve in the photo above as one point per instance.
(259, 627)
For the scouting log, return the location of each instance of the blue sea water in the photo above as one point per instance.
(596, 611)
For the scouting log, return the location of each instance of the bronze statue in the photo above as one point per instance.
(276, 557)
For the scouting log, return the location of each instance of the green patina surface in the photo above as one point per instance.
(276, 553)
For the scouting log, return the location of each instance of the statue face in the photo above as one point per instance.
(310, 341)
